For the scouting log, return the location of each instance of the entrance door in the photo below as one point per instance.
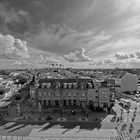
(64, 103)
(69, 102)
(105, 105)
(82, 104)
(44, 103)
(49, 102)
(56, 102)
(74, 102)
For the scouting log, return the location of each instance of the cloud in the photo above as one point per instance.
(77, 56)
(131, 55)
(97, 63)
(102, 28)
(108, 61)
(121, 57)
(13, 48)
(124, 56)
(62, 39)
(48, 59)
(10, 14)
(124, 5)
(137, 54)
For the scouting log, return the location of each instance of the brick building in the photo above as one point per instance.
(70, 93)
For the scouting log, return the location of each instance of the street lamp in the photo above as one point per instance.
(128, 111)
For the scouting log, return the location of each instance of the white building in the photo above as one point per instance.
(129, 82)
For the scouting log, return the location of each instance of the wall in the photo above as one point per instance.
(129, 82)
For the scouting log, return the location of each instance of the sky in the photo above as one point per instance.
(74, 33)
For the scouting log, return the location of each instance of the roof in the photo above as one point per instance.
(55, 82)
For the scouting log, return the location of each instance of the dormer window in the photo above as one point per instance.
(48, 85)
(89, 85)
(74, 85)
(70, 85)
(65, 85)
(43, 85)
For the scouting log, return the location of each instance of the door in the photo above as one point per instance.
(64, 103)
(74, 102)
(69, 102)
(44, 103)
(56, 102)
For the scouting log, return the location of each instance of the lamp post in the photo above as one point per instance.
(39, 109)
(18, 109)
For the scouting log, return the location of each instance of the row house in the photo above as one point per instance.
(69, 93)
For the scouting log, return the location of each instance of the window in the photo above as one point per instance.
(56, 103)
(49, 94)
(74, 85)
(82, 94)
(44, 102)
(44, 94)
(69, 94)
(70, 85)
(49, 102)
(64, 102)
(33, 93)
(74, 94)
(89, 85)
(48, 85)
(104, 92)
(65, 85)
(69, 102)
(57, 94)
(43, 85)
(74, 102)
(102, 98)
(40, 94)
(82, 86)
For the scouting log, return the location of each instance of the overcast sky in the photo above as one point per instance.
(78, 33)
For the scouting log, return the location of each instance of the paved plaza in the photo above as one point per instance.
(68, 128)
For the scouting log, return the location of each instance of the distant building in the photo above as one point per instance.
(129, 82)
(74, 93)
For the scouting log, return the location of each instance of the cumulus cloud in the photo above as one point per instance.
(13, 48)
(48, 59)
(77, 56)
(124, 56)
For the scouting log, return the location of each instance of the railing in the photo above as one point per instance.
(55, 138)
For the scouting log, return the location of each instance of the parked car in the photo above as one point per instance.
(49, 117)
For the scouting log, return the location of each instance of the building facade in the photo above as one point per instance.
(129, 82)
(70, 93)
